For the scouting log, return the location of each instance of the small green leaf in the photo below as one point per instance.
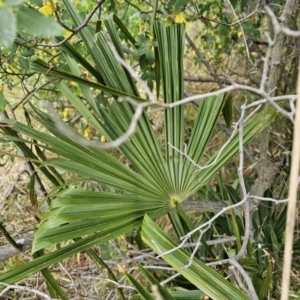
(2, 102)
(179, 4)
(266, 285)
(36, 24)
(141, 51)
(13, 2)
(24, 64)
(27, 53)
(12, 54)
(8, 27)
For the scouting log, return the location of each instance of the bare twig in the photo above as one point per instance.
(248, 228)
(203, 60)
(9, 238)
(291, 212)
(243, 33)
(76, 30)
(238, 22)
(251, 291)
(8, 251)
(208, 79)
(23, 288)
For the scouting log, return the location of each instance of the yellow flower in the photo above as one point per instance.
(88, 133)
(46, 10)
(179, 19)
(103, 139)
(239, 34)
(65, 114)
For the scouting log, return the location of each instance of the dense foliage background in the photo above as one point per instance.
(146, 149)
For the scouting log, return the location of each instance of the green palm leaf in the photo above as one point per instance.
(203, 277)
(155, 181)
(59, 255)
(83, 212)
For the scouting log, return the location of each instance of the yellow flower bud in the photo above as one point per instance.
(179, 19)
(46, 10)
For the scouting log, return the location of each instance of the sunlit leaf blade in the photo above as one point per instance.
(89, 97)
(43, 157)
(208, 113)
(85, 33)
(68, 49)
(81, 106)
(170, 56)
(251, 129)
(54, 288)
(170, 50)
(209, 110)
(144, 294)
(40, 66)
(179, 295)
(160, 290)
(27, 152)
(188, 295)
(143, 150)
(124, 29)
(65, 252)
(150, 182)
(143, 147)
(112, 72)
(118, 46)
(96, 165)
(84, 212)
(203, 277)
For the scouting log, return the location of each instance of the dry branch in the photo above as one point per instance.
(8, 251)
